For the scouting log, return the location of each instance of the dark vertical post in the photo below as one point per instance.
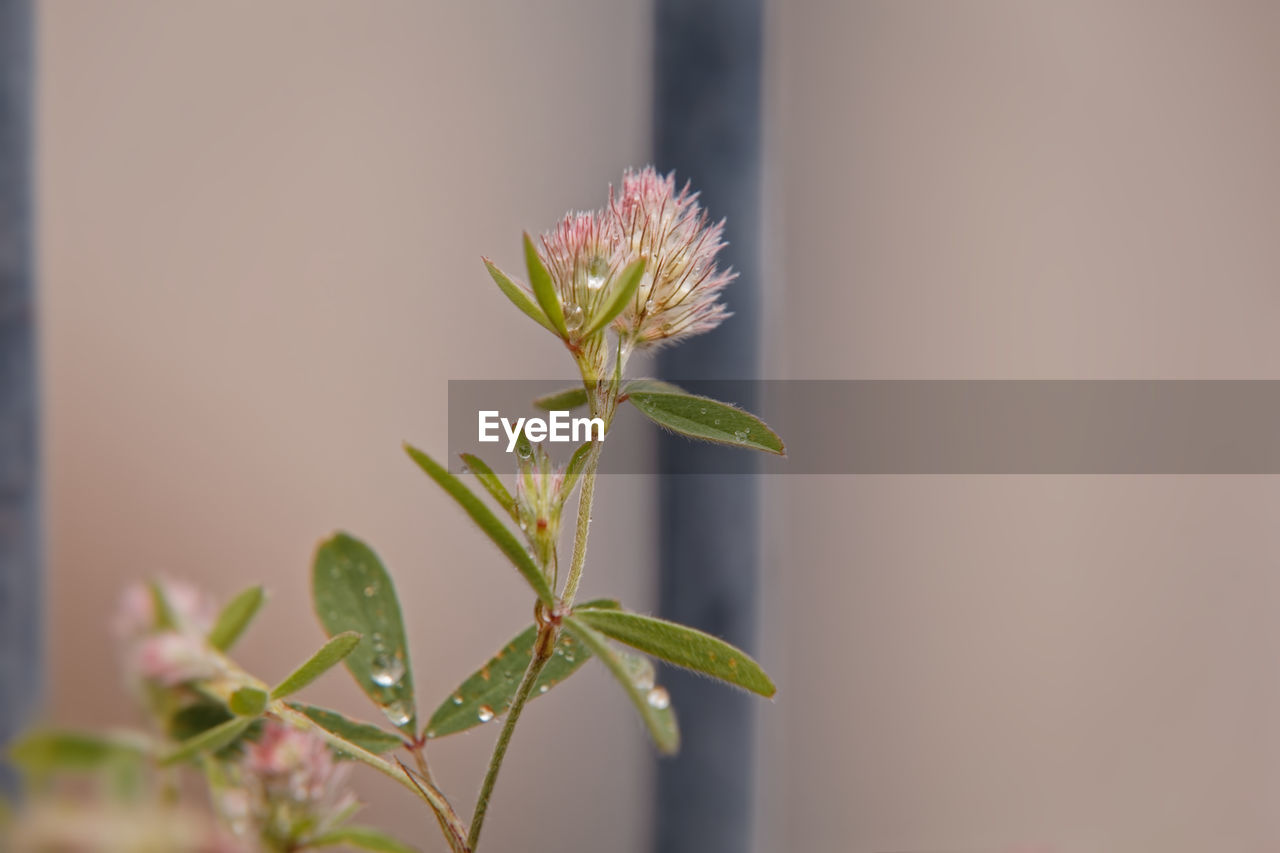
(707, 128)
(19, 493)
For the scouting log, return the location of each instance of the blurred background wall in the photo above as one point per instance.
(260, 238)
(259, 230)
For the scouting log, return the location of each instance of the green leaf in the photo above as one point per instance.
(368, 737)
(248, 701)
(235, 617)
(488, 692)
(635, 674)
(493, 485)
(487, 521)
(574, 469)
(191, 720)
(43, 752)
(351, 591)
(330, 654)
(563, 400)
(518, 297)
(704, 418)
(680, 645)
(544, 290)
(166, 619)
(623, 291)
(211, 740)
(361, 838)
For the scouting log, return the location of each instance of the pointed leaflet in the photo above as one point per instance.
(623, 289)
(338, 647)
(211, 740)
(361, 838)
(562, 401)
(368, 737)
(544, 290)
(681, 645)
(487, 693)
(635, 676)
(517, 296)
(235, 617)
(352, 591)
(704, 418)
(488, 522)
(492, 485)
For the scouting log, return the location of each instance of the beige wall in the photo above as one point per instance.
(1025, 190)
(261, 226)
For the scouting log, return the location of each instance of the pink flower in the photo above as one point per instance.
(290, 764)
(679, 294)
(171, 658)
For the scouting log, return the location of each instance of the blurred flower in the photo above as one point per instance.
(289, 786)
(678, 296)
(174, 654)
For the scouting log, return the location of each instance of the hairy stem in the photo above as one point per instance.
(585, 499)
(542, 653)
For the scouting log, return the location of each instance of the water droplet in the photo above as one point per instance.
(543, 689)
(650, 306)
(386, 670)
(658, 698)
(397, 712)
(595, 282)
(644, 680)
(568, 656)
(717, 422)
(524, 450)
(702, 411)
(431, 733)
(370, 591)
(573, 318)
(486, 713)
(740, 435)
(457, 700)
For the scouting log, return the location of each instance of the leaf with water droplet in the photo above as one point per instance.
(368, 737)
(518, 296)
(562, 401)
(235, 618)
(344, 568)
(489, 687)
(628, 669)
(544, 290)
(680, 645)
(487, 521)
(623, 291)
(701, 417)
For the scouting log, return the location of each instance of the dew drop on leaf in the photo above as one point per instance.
(573, 318)
(386, 670)
(397, 713)
(658, 698)
(485, 714)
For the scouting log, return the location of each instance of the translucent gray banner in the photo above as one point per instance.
(936, 426)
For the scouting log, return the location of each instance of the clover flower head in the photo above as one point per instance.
(678, 297)
(582, 256)
(288, 780)
(170, 655)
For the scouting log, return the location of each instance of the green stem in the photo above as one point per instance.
(542, 653)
